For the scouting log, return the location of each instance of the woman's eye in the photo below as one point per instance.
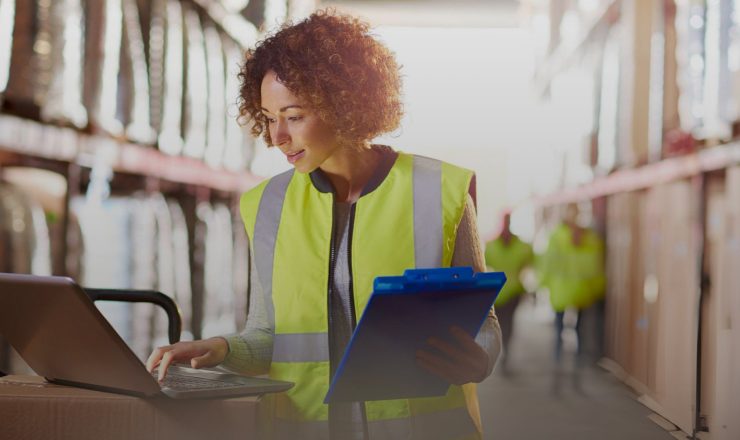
(270, 120)
(295, 118)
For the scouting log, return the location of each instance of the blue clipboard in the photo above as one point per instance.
(379, 362)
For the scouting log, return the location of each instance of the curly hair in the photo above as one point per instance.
(336, 67)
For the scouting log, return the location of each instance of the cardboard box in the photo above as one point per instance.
(31, 408)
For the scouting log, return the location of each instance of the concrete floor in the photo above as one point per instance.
(526, 405)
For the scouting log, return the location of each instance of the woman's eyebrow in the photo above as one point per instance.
(284, 108)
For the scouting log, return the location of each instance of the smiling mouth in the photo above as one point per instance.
(294, 157)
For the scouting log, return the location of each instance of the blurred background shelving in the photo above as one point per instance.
(118, 126)
(656, 165)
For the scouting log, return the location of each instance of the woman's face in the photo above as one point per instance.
(295, 129)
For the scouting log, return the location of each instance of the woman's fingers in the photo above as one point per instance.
(167, 359)
(163, 357)
(462, 353)
(155, 357)
(440, 367)
(460, 361)
(446, 348)
(205, 353)
(466, 341)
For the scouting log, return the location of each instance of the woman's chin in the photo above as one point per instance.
(303, 167)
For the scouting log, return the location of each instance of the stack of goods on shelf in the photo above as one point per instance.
(147, 247)
(734, 66)
(218, 275)
(709, 68)
(28, 198)
(159, 73)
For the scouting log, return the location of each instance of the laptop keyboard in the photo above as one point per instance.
(187, 382)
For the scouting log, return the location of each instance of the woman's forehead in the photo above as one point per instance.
(275, 96)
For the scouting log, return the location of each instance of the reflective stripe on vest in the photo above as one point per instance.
(265, 234)
(300, 347)
(290, 224)
(427, 212)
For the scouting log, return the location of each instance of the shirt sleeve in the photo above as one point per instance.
(250, 351)
(468, 252)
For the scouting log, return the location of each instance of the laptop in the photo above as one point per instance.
(61, 335)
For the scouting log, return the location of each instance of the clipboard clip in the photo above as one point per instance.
(414, 280)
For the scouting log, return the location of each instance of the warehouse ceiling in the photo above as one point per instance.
(437, 13)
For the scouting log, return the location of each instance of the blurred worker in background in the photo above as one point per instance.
(508, 253)
(572, 269)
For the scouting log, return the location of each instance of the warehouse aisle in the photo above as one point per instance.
(526, 405)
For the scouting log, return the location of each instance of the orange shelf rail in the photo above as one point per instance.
(634, 179)
(32, 138)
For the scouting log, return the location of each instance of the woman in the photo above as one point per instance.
(349, 211)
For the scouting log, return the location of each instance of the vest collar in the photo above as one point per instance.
(387, 160)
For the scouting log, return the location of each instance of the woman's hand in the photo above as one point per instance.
(458, 363)
(201, 354)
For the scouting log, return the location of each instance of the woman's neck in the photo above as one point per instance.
(349, 170)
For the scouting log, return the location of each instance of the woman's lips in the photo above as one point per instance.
(295, 157)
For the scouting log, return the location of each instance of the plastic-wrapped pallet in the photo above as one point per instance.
(216, 138)
(165, 265)
(7, 25)
(717, 100)
(49, 189)
(156, 16)
(691, 63)
(170, 139)
(181, 263)
(25, 234)
(196, 89)
(239, 147)
(138, 124)
(63, 71)
(143, 233)
(218, 303)
(106, 263)
(734, 64)
(23, 92)
(103, 37)
(24, 248)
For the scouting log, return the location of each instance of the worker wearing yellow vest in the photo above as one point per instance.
(572, 269)
(508, 253)
(347, 212)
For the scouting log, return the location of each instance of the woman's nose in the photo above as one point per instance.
(281, 133)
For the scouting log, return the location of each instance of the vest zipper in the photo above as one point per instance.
(350, 233)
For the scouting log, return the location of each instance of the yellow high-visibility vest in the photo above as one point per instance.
(410, 220)
(573, 274)
(510, 259)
